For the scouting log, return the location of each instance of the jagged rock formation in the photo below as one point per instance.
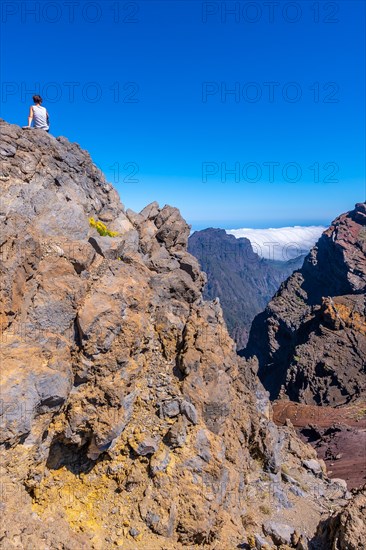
(242, 280)
(127, 418)
(311, 339)
(346, 529)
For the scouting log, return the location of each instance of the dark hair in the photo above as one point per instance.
(37, 99)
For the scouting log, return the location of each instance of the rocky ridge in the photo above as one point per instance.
(346, 529)
(127, 419)
(311, 339)
(242, 280)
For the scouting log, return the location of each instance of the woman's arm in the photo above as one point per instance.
(30, 117)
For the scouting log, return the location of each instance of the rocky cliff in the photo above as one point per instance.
(311, 339)
(242, 280)
(346, 529)
(127, 418)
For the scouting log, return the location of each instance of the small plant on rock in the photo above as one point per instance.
(265, 509)
(102, 228)
(362, 235)
(361, 413)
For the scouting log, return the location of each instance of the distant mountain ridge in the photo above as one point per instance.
(311, 339)
(242, 280)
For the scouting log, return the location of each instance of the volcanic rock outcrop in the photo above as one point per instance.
(127, 419)
(311, 338)
(236, 275)
(346, 529)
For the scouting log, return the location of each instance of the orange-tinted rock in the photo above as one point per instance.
(94, 345)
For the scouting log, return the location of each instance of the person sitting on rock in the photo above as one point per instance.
(38, 115)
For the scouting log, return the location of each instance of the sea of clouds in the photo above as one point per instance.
(280, 243)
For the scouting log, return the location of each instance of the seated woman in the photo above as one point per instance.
(38, 115)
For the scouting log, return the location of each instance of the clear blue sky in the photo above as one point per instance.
(158, 72)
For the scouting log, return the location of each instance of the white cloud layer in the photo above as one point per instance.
(280, 243)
